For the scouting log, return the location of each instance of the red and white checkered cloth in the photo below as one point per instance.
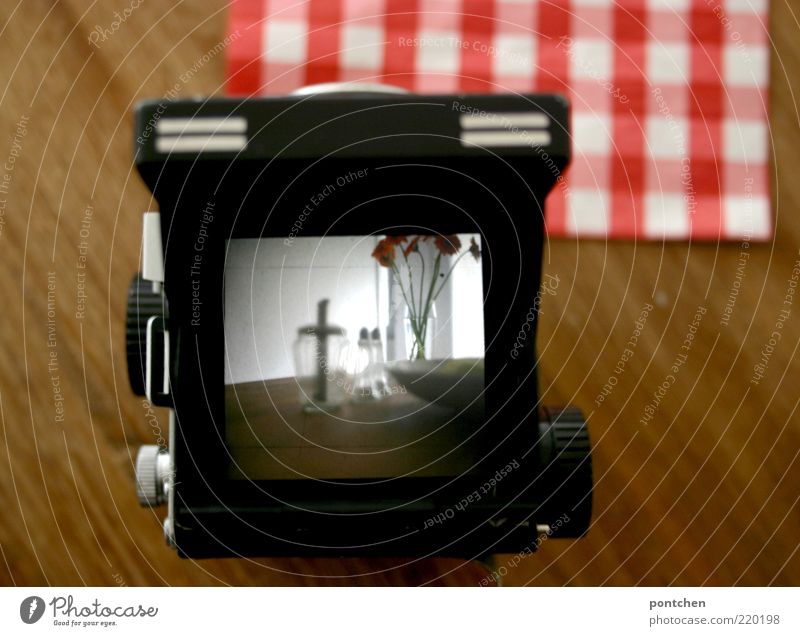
(669, 97)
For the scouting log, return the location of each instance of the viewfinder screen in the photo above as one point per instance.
(357, 357)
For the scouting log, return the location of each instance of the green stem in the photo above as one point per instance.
(447, 277)
(412, 315)
(421, 330)
(436, 266)
(396, 273)
(422, 277)
(413, 306)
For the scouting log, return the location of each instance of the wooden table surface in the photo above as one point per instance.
(705, 492)
(270, 436)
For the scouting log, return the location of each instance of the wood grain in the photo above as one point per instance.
(704, 493)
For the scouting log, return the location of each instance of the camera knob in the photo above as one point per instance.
(566, 456)
(565, 428)
(143, 304)
(152, 475)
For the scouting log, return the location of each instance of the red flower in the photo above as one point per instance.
(448, 245)
(384, 253)
(384, 250)
(411, 246)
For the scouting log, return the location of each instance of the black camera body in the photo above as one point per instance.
(252, 192)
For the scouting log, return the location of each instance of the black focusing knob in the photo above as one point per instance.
(566, 460)
(143, 304)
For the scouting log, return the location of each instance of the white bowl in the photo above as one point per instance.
(455, 383)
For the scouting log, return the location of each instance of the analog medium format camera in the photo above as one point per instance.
(337, 303)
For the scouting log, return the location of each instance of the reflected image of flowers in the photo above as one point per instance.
(448, 244)
(384, 251)
(420, 303)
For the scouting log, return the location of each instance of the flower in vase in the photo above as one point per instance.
(448, 245)
(419, 302)
(384, 251)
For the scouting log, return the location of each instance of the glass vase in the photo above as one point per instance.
(419, 334)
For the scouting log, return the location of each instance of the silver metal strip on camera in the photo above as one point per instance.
(201, 134)
(486, 129)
